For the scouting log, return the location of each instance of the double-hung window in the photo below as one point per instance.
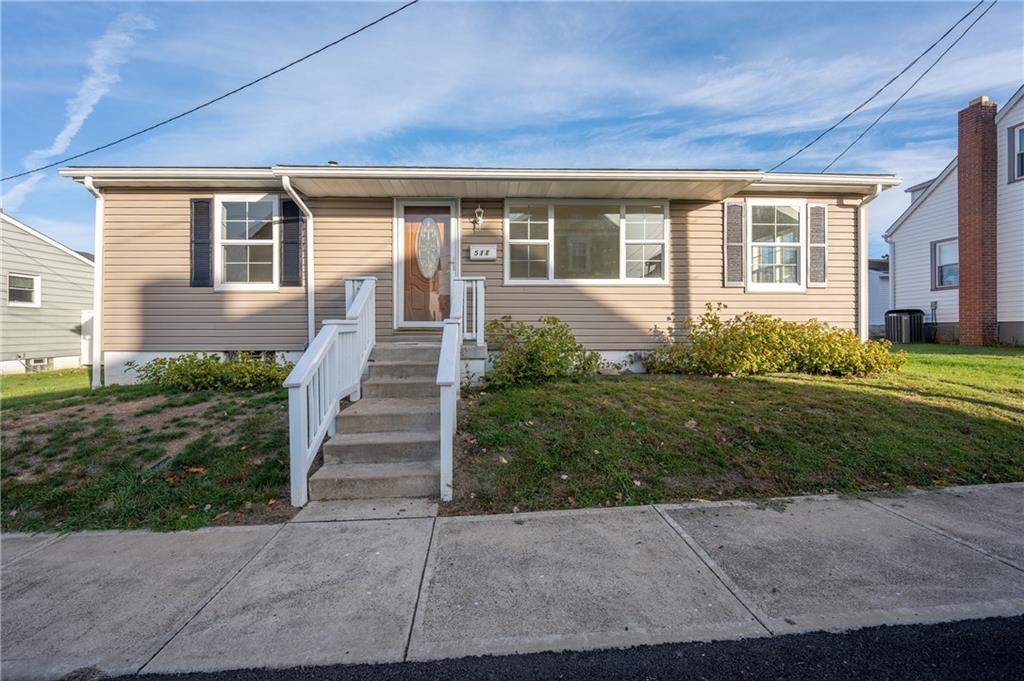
(247, 236)
(945, 264)
(592, 242)
(24, 290)
(776, 250)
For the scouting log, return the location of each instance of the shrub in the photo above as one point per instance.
(194, 371)
(760, 344)
(534, 353)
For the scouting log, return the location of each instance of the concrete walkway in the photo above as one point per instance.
(382, 584)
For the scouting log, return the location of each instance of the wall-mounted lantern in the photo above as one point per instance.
(478, 217)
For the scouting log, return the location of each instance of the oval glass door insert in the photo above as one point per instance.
(428, 247)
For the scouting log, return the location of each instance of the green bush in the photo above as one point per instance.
(534, 353)
(194, 371)
(760, 344)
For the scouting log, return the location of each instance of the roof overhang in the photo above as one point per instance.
(495, 183)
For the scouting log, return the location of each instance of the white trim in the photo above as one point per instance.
(308, 280)
(218, 242)
(863, 304)
(97, 287)
(435, 173)
(398, 253)
(622, 280)
(916, 203)
(760, 287)
(39, 235)
(1010, 103)
(37, 290)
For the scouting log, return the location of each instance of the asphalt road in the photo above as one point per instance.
(989, 649)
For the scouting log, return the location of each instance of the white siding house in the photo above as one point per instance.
(1010, 202)
(924, 241)
(878, 295)
(45, 300)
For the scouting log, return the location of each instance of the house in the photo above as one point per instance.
(332, 265)
(47, 291)
(957, 252)
(878, 295)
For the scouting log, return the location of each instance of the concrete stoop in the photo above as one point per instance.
(387, 443)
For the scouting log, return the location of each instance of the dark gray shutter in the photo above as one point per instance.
(817, 245)
(201, 243)
(291, 244)
(734, 252)
(1011, 148)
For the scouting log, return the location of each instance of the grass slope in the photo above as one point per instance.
(141, 456)
(952, 416)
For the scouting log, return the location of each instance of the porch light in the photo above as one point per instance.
(478, 217)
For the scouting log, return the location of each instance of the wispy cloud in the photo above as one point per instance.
(108, 54)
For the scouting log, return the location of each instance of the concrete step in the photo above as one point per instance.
(407, 352)
(401, 387)
(386, 447)
(375, 480)
(404, 369)
(382, 414)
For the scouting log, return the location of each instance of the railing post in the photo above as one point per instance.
(297, 445)
(478, 312)
(350, 294)
(448, 402)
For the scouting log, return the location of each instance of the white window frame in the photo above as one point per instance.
(37, 290)
(772, 287)
(1018, 152)
(549, 242)
(219, 242)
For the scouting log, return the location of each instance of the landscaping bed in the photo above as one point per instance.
(952, 415)
(142, 457)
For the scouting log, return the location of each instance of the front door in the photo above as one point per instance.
(425, 263)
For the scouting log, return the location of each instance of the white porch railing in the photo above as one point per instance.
(472, 317)
(449, 380)
(330, 369)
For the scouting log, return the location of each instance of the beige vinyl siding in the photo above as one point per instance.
(148, 304)
(630, 317)
(353, 239)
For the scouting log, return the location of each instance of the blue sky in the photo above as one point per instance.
(671, 84)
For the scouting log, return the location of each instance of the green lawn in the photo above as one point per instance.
(19, 389)
(952, 416)
(139, 456)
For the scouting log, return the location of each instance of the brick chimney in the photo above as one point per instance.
(976, 207)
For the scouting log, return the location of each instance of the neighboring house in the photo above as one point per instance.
(957, 253)
(219, 259)
(47, 292)
(878, 295)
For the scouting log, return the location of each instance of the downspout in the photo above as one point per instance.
(97, 287)
(862, 263)
(310, 287)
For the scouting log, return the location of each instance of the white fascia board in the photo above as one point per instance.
(921, 199)
(392, 172)
(1017, 96)
(39, 235)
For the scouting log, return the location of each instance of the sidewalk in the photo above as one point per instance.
(416, 587)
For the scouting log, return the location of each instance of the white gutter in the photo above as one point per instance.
(862, 263)
(97, 287)
(310, 283)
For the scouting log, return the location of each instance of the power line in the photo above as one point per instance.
(877, 92)
(217, 99)
(905, 92)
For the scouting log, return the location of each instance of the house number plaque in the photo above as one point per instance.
(483, 252)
